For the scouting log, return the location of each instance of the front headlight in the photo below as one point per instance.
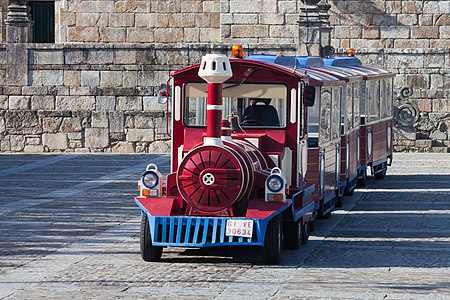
(150, 179)
(274, 183)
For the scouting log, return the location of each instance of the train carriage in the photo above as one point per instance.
(260, 148)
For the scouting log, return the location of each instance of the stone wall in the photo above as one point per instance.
(89, 98)
(127, 47)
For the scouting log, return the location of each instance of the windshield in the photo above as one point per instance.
(256, 105)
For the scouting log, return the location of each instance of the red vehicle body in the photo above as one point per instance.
(257, 154)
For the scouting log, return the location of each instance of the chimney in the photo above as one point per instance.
(215, 69)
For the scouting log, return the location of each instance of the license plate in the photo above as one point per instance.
(242, 228)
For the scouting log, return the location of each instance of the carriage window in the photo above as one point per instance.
(373, 97)
(313, 121)
(386, 98)
(256, 105)
(356, 108)
(348, 111)
(336, 113)
(362, 101)
(325, 115)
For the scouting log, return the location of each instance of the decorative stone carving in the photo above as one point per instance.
(19, 26)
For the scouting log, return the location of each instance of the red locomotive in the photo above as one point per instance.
(256, 156)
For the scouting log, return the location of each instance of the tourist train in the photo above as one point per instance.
(261, 148)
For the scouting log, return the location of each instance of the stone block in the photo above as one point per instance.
(408, 19)
(424, 32)
(283, 31)
(89, 19)
(168, 35)
(426, 20)
(371, 32)
(48, 57)
(110, 78)
(19, 102)
(424, 143)
(112, 34)
(397, 32)
(33, 149)
(418, 80)
(393, 7)
(74, 135)
(95, 6)
(240, 18)
(140, 135)
(140, 35)
(412, 7)
(159, 147)
(100, 119)
(96, 137)
(122, 19)
(129, 79)
(191, 35)
(151, 104)
(32, 140)
(43, 102)
(385, 20)
(129, 103)
(444, 32)
(166, 6)
(123, 147)
(3, 102)
(100, 57)
(441, 105)
(191, 6)
(158, 20)
(17, 75)
(116, 122)
(83, 34)
(51, 124)
(55, 141)
(142, 20)
(74, 56)
(105, 103)
(75, 103)
(72, 78)
(90, 78)
(211, 6)
(249, 31)
(209, 35)
(412, 44)
(71, 125)
(132, 6)
(285, 7)
(52, 77)
(442, 20)
(17, 142)
(348, 32)
(80, 91)
(440, 149)
(5, 145)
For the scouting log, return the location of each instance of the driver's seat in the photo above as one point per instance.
(262, 115)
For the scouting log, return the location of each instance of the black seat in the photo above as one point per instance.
(260, 115)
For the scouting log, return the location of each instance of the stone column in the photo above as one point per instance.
(310, 24)
(19, 26)
(324, 17)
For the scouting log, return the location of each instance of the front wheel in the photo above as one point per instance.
(271, 251)
(292, 235)
(148, 251)
(382, 174)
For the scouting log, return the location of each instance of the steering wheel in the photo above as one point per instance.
(252, 122)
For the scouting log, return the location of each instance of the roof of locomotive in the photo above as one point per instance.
(250, 63)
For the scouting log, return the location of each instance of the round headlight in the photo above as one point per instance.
(275, 183)
(150, 179)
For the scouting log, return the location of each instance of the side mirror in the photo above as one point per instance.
(163, 93)
(309, 95)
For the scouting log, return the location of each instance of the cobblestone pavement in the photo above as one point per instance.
(69, 229)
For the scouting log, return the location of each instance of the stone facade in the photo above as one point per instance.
(94, 90)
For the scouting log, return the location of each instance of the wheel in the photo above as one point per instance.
(339, 201)
(312, 225)
(148, 251)
(362, 181)
(305, 233)
(292, 235)
(349, 193)
(382, 174)
(327, 215)
(271, 251)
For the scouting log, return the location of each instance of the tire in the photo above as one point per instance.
(305, 233)
(271, 252)
(327, 215)
(349, 193)
(382, 174)
(362, 181)
(148, 251)
(292, 235)
(339, 201)
(312, 225)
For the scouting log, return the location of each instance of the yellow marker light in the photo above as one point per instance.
(278, 197)
(237, 51)
(351, 52)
